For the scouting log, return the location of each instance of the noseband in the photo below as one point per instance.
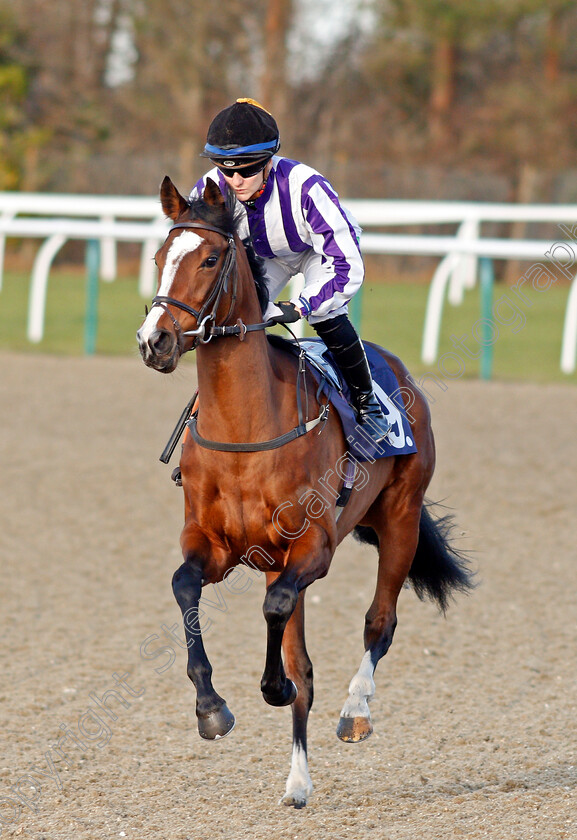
(204, 332)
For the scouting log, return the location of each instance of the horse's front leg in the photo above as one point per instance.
(279, 603)
(309, 559)
(215, 720)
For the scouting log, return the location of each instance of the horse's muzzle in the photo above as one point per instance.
(159, 351)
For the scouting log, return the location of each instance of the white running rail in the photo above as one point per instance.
(110, 219)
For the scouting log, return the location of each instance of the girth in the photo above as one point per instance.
(302, 428)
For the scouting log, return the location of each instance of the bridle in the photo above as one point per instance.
(203, 334)
(213, 300)
(206, 328)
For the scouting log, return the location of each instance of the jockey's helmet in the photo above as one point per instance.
(242, 133)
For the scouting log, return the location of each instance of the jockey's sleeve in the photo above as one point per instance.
(216, 176)
(334, 237)
(239, 213)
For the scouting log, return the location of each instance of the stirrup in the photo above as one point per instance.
(370, 416)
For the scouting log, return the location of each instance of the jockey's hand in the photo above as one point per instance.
(289, 313)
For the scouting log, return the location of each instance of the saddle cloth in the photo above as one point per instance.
(399, 440)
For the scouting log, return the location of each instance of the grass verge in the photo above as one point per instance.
(392, 315)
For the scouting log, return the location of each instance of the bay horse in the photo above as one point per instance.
(251, 468)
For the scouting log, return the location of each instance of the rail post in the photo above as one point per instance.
(91, 320)
(486, 281)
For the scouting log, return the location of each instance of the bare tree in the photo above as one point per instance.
(274, 82)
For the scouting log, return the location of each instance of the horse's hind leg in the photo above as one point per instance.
(215, 720)
(398, 538)
(300, 670)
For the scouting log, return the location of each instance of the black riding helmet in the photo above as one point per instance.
(242, 133)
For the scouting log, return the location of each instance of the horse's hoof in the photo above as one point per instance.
(285, 698)
(216, 724)
(354, 730)
(296, 800)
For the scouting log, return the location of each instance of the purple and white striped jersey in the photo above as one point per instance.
(298, 225)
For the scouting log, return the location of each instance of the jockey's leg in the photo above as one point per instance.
(278, 274)
(342, 340)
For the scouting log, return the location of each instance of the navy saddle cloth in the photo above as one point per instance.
(399, 440)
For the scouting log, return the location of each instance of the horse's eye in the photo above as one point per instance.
(211, 261)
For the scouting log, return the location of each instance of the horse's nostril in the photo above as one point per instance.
(160, 342)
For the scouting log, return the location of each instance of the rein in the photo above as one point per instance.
(240, 329)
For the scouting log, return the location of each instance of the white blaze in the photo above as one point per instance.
(182, 245)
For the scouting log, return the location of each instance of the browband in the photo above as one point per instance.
(201, 226)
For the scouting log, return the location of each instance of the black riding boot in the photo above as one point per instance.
(342, 340)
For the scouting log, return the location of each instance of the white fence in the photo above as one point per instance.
(57, 218)
(457, 270)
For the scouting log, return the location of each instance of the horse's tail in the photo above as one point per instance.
(438, 568)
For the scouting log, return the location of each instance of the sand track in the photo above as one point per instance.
(474, 714)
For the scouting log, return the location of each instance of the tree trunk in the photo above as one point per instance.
(273, 84)
(442, 89)
(552, 48)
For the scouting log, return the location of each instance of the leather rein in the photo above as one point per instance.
(205, 331)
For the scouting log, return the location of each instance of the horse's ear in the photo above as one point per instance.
(173, 204)
(212, 194)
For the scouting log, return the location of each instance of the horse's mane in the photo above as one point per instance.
(258, 272)
(223, 217)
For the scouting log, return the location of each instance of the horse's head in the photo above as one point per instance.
(196, 276)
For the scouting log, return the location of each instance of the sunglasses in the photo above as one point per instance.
(244, 171)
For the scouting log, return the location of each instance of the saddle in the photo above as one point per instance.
(387, 390)
(330, 383)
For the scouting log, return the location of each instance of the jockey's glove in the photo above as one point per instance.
(289, 313)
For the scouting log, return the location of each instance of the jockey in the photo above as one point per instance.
(296, 223)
